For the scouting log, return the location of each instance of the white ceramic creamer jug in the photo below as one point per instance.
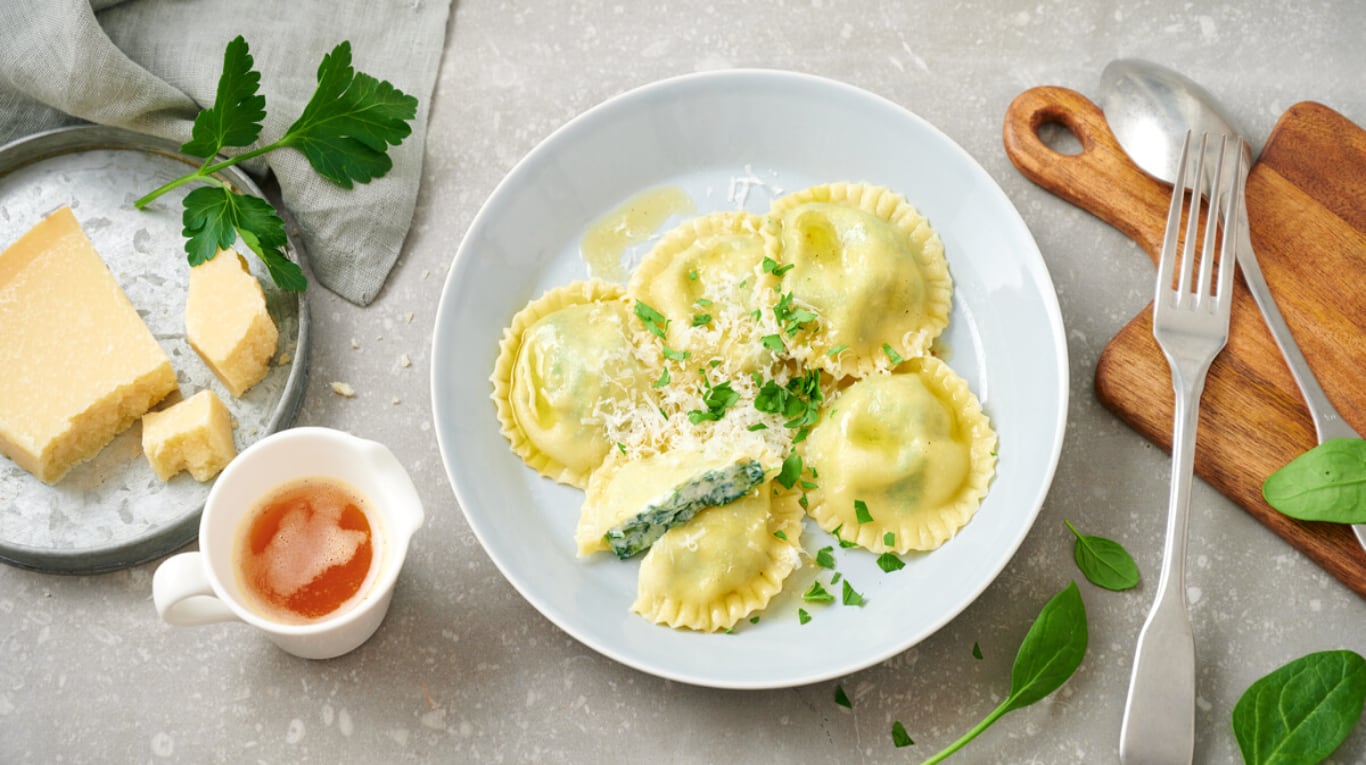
(208, 586)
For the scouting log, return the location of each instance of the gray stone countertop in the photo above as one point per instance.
(465, 670)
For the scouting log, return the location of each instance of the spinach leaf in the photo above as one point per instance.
(1052, 650)
(1302, 711)
(1104, 562)
(1326, 483)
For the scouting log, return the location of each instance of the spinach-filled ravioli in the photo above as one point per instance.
(723, 565)
(870, 267)
(908, 454)
(702, 277)
(658, 491)
(564, 362)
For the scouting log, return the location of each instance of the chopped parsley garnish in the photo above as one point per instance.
(861, 512)
(836, 577)
(809, 485)
(780, 534)
(702, 302)
(654, 320)
(804, 502)
(701, 319)
(773, 343)
(673, 355)
(892, 354)
(692, 275)
(837, 350)
(977, 651)
(842, 699)
(889, 563)
(900, 737)
(621, 447)
(791, 471)
(756, 427)
(790, 318)
(771, 267)
(851, 597)
(719, 398)
(817, 593)
(802, 616)
(753, 620)
(825, 557)
(889, 539)
(844, 543)
(799, 401)
(663, 380)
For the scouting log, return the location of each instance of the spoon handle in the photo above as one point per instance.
(1100, 179)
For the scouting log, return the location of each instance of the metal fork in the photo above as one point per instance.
(1190, 321)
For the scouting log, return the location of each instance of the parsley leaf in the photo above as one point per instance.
(861, 512)
(889, 563)
(238, 110)
(802, 616)
(841, 698)
(900, 737)
(215, 216)
(851, 597)
(817, 594)
(791, 471)
(350, 122)
(654, 320)
(719, 398)
(825, 558)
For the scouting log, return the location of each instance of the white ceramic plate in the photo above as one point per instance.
(738, 139)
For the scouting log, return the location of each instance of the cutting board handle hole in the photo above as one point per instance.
(1059, 137)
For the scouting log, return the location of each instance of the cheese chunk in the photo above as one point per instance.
(79, 365)
(227, 323)
(194, 435)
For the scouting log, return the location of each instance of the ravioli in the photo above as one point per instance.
(566, 359)
(702, 277)
(870, 267)
(912, 448)
(722, 566)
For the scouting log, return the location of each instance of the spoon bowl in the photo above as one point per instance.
(1149, 109)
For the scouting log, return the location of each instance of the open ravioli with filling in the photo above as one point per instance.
(630, 503)
(702, 277)
(871, 268)
(566, 359)
(908, 454)
(723, 565)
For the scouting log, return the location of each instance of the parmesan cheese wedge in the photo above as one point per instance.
(79, 365)
(227, 323)
(193, 435)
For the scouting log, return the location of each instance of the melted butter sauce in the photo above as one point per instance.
(606, 239)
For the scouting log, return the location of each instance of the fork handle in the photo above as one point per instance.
(1159, 713)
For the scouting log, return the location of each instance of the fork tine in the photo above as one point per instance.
(1188, 257)
(1215, 216)
(1227, 251)
(1167, 259)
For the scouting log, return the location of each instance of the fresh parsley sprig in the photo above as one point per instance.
(345, 132)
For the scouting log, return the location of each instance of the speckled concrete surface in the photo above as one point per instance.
(464, 670)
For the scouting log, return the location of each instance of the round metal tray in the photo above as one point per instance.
(113, 511)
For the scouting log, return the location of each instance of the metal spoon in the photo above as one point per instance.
(1149, 109)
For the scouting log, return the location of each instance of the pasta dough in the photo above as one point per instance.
(565, 359)
(872, 269)
(722, 566)
(913, 448)
(702, 276)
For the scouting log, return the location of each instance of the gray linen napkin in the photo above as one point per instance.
(150, 65)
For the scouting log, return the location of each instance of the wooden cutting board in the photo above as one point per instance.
(1306, 200)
